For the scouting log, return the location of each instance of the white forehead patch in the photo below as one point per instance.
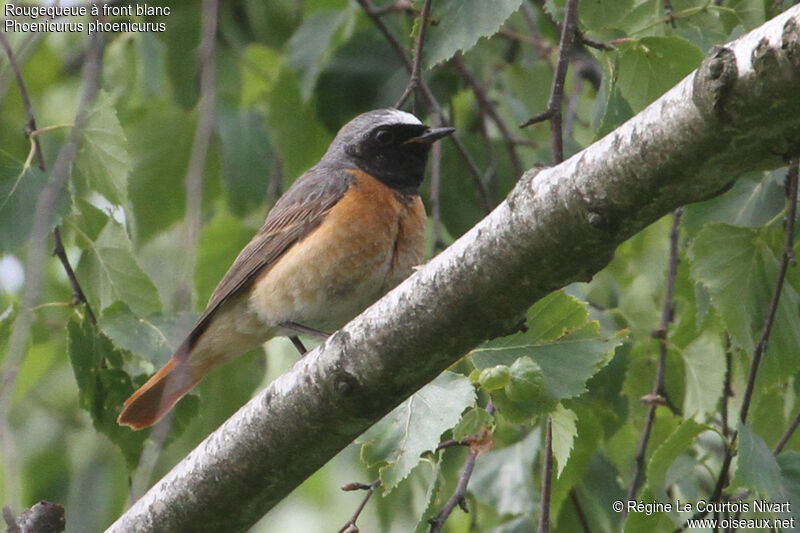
(402, 117)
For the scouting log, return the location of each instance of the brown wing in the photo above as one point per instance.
(301, 209)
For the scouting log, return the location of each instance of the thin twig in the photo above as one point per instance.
(670, 13)
(77, 292)
(573, 495)
(483, 194)
(553, 111)
(30, 119)
(488, 108)
(400, 6)
(416, 76)
(33, 133)
(350, 525)
(592, 43)
(788, 255)
(657, 392)
(727, 390)
(787, 435)
(458, 496)
(435, 194)
(547, 478)
(477, 443)
(37, 253)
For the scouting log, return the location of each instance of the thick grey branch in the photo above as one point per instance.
(736, 113)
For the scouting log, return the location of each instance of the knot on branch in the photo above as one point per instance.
(713, 82)
(653, 399)
(524, 185)
(43, 517)
(790, 42)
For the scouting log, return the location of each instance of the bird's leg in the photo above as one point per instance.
(299, 345)
(300, 328)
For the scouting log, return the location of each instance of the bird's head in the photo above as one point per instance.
(389, 144)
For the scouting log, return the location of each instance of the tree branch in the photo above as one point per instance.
(557, 226)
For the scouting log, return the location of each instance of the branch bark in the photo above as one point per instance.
(557, 226)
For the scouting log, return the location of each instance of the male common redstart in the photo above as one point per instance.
(345, 232)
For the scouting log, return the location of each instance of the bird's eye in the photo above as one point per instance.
(384, 137)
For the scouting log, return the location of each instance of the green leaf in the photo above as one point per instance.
(577, 471)
(90, 220)
(566, 364)
(704, 358)
(461, 24)
(666, 453)
(648, 67)
(739, 268)
(297, 135)
(103, 386)
(597, 14)
(220, 242)
(103, 163)
(643, 522)
(526, 383)
(315, 41)
(755, 199)
(108, 271)
(246, 157)
(503, 479)
(153, 338)
(19, 190)
(564, 432)
(555, 315)
(789, 462)
(757, 469)
(494, 377)
(295, 132)
(415, 426)
(472, 423)
(160, 143)
(431, 499)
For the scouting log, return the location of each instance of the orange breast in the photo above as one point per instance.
(368, 242)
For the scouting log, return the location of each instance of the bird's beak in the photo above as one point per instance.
(431, 135)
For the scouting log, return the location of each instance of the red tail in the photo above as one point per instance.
(155, 398)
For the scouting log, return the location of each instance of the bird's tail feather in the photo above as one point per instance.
(155, 398)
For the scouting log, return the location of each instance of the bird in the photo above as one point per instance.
(346, 232)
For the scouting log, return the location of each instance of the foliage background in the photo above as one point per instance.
(288, 75)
